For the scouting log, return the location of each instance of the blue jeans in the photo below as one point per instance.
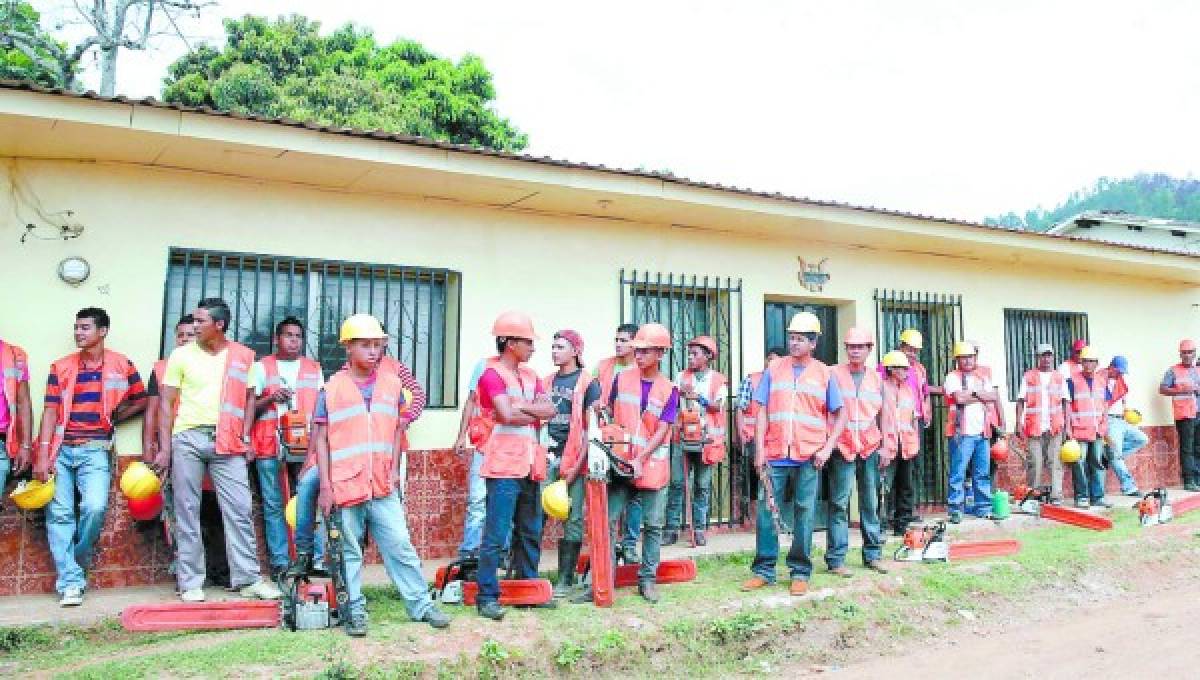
(384, 518)
(970, 452)
(633, 522)
(800, 482)
(1088, 474)
(510, 502)
(842, 474)
(1125, 440)
(274, 523)
(476, 510)
(700, 483)
(308, 487)
(5, 466)
(72, 540)
(653, 503)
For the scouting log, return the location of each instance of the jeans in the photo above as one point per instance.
(842, 475)
(72, 539)
(384, 519)
(970, 451)
(1088, 474)
(274, 524)
(510, 502)
(308, 538)
(654, 510)
(1189, 449)
(800, 481)
(633, 523)
(5, 465)
(1045, 449)
(1124, 440)
(700, 484)
(900, 478)
(573, 527)
(476, 509)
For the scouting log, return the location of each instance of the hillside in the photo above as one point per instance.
(1153, 195)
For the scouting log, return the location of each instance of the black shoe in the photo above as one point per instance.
(585, 596)
(357, 625)
(629, 555)
(956, 518)
(436, 618)
(699, 538)
(649, 591)
(568, 556)
(491, 610)
(876, 566)
(670, 537)
(302, 566)
(1102, 503)
(318, 570)
(543, 605)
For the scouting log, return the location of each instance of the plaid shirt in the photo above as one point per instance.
(745, 394)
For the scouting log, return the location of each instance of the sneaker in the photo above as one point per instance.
(262, 590)
(1055, 501)
(701, 540)
(71, 597)
(436, 618)
(629, 555)
(842, 571)
(1132, 492)
(956, 518)
(670, 537)
(585, 596)
(876, 566)
(755, 583)
(491, 610)
(798, 587)
(193, 595)
(1102, 503)
(357, 625)
(1082, 503)
(649, 591)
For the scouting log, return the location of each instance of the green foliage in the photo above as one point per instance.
(740, 626)
(569, 654)
(19, 639)
(287, 68)
(493, 651)
(1152, 195)
(612, 640)
(35, 63)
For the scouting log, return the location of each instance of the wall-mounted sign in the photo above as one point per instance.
(813, 276)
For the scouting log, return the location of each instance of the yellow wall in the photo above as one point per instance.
(561, 269)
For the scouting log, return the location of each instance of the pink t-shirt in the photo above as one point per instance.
(491, 384)
(23, 377)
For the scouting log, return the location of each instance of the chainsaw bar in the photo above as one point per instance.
(976, 549)
(1079, 518)
(151, 618)
(514, 591)
(669, 571)
(1186, 504)
(598, 534)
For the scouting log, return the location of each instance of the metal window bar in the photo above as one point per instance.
(1025, 329)
(939, 319)
(691, 305)
(261, 290)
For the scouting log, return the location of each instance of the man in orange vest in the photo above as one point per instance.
(973, 414)
(857, 456)
(911, 342)
(1182, 384)
(704, 387)
(201, 415)
(87, 394)
(1072, 365)
(606, 372)
(747, 414)
(1042, 405)
(900, 423)
(284, 382)
(1088, 394)
(795, 437)
(513, 403)
(16, 412)
(185, 332)
(357, 436)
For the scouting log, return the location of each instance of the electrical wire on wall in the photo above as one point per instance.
(62, 224)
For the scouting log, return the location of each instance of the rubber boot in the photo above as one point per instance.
(670, 537)
(568, 555)
(300, 567)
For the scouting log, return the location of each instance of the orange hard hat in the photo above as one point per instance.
(514, 325)
(858, 336)
(705, 342)
(1187, 345)
(652, 336)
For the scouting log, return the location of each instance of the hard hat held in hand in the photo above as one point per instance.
(361, 327)
(1133, 416)
(1071, 452)
(804, 322)
(858, 336)
(146, 509)
(895, 359)
(912, 337)
(32, 494)
(514, 325)
(555, 500)
(1000, 450)
(139, 481)
(289, 513)
(652, 336)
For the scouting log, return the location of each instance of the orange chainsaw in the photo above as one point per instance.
(1154, 508)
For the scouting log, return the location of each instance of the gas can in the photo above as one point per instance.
(1000, 505)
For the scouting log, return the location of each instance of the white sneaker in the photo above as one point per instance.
(193, 595)
(71, 597)
(263, 590)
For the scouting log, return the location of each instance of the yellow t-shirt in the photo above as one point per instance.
(198, 376)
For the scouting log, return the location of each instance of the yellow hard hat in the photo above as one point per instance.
(895, 359)
(32, 494)
(1088, 354)
(804, 322)
(1133, 416)
(913, 338)
(139, 481)
(1071, 452)
(555, 500)
(361, 327)
(289, 513)
(964, 349)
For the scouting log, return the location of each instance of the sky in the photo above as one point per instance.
(941, 107)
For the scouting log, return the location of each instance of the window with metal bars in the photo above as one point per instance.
(1025, 329)
(419, 307)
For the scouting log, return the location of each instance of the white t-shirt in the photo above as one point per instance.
(700, 383)
(1044, 379)
(973, 415)
(289, 374)
(1118, 406)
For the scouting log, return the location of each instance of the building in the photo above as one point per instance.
(1118, 226)
(167, 204)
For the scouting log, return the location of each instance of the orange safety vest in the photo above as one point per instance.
(642, 424)
(953, 413)
(513, 451)
(605, 372)
(797, 413)
(1183, 406)
(264, 435)
(362, 438)
(714, 423)
(861, 437)
(1056, 391)
(1089, 417)
(750, 413)
(576, 434)
(14, 363)
(232, 415)
(898, 418)
(115, 385)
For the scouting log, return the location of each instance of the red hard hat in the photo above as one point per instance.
(514, 325)
(858, 336)
(1078, 345)
(705, 342)
(1000, 450)
(1187, 345)
(147, 508)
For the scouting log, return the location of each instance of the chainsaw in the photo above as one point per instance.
(1154, 508)
(309, 606)
(1035, 501)
(924, 543)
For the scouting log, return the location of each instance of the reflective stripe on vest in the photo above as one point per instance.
(115, 381)
(14, 363)
(1055, 392)
(862, 402)
(714, 423)
(513, 451)
(796, 410)
(1089, 408)
(362, 439)
(577, 424)
(1183, 406)
(641, 424)
(264, 435)
(991, 419)
(232, 413)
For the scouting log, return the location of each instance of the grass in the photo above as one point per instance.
(703, 628)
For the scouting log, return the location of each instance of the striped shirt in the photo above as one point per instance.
(85, 422)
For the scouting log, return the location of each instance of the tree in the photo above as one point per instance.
(111, 27)
(36, 64)
(1151, 195)
(287, 68)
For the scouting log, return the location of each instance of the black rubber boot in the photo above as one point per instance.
(300, 566)
(568, 556)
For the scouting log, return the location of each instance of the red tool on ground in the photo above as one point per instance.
(975, 549)
(514, 591)
(1186, 504)
(669, 571)
(153, 618)
(1034, 502)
